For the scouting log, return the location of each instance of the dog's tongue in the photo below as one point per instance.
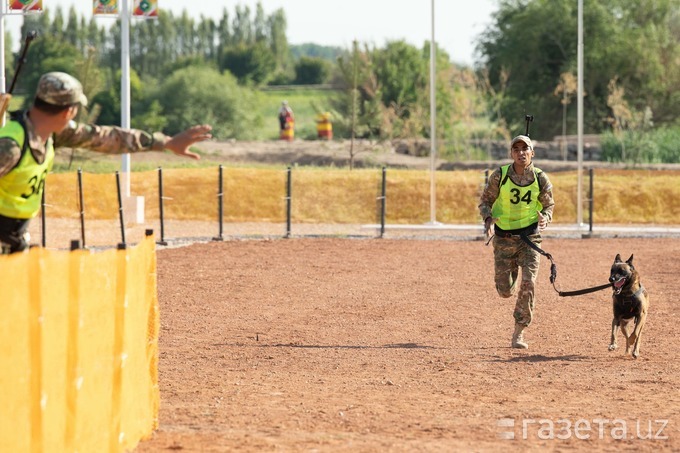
(619, 283)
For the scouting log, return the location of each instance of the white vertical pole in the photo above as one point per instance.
(125, 88)
(579, 185)
(433, 131)
(3, 81)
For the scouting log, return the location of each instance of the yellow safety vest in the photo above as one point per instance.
(516, 206)
(21, 189)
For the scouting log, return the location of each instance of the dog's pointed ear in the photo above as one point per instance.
(618, 259)
(630, 260)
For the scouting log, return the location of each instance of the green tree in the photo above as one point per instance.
(242, 26)
(530, 43)
(310, 71)
(37, 22)
(152, 119)
(72, 32)
(163, 38)
(57, 25)
(278, 41)
(535, 41)
(93, 34)
(91, 77)
(360, 113)
(224, 35)
(330, 53)
(108, 103)
(402, 72)
(261, 32)
(202, 95)
(43, 56)
(206, 33)
(249, 63)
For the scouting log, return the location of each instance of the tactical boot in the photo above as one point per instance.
(518, 338)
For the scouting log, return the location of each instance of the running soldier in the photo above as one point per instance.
(517, 201)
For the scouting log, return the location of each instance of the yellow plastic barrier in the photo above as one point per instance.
(78, 350)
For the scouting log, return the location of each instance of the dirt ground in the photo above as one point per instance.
(330, 344)
(394, 345)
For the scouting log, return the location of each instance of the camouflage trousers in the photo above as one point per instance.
(13, 234)
(510, 255)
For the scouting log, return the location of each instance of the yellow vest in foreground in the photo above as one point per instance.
(21, 189)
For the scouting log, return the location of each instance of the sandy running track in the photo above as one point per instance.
(403, 345)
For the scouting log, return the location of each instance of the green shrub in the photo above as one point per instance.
(657, 146)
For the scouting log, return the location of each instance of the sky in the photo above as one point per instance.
(337, 23)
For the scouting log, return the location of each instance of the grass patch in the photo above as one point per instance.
(305, 104)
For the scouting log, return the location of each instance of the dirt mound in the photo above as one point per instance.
(336, 153)
(373, 154)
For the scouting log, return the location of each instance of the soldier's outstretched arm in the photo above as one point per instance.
(116, 140)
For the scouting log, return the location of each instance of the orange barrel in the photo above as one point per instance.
(324, 127)
(288, 133)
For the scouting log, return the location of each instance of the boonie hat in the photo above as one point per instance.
(522, 138)
(59, 88)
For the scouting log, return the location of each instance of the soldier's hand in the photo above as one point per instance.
(4, 102)
(180, 143)
(542, 221)
(488, 223)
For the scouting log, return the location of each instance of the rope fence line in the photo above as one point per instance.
(380, 227)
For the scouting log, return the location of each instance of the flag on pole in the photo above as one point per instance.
(34, 6)
(105, 7)
(145, 8)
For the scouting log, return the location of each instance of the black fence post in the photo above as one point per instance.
(43, 216)
(82, 207)
(120, 211)
(590, 202)
(383, 200)
(220, 204)
(160, 207)
(289, 185)
(75, 244)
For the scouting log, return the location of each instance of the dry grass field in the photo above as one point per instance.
(331, 195)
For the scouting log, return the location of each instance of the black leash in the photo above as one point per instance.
(553, 272)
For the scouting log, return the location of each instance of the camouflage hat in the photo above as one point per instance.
(59, 88)
(522, 138)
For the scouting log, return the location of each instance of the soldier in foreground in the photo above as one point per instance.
(28, 140)
(517, 201)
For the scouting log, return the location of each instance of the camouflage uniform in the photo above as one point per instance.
(104, 139)
(61, 90)
(511, 253)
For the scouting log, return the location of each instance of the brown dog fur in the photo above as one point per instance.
(631, 303)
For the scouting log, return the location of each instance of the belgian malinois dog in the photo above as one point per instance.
(631, 302)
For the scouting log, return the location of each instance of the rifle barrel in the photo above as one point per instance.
(30, 36)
